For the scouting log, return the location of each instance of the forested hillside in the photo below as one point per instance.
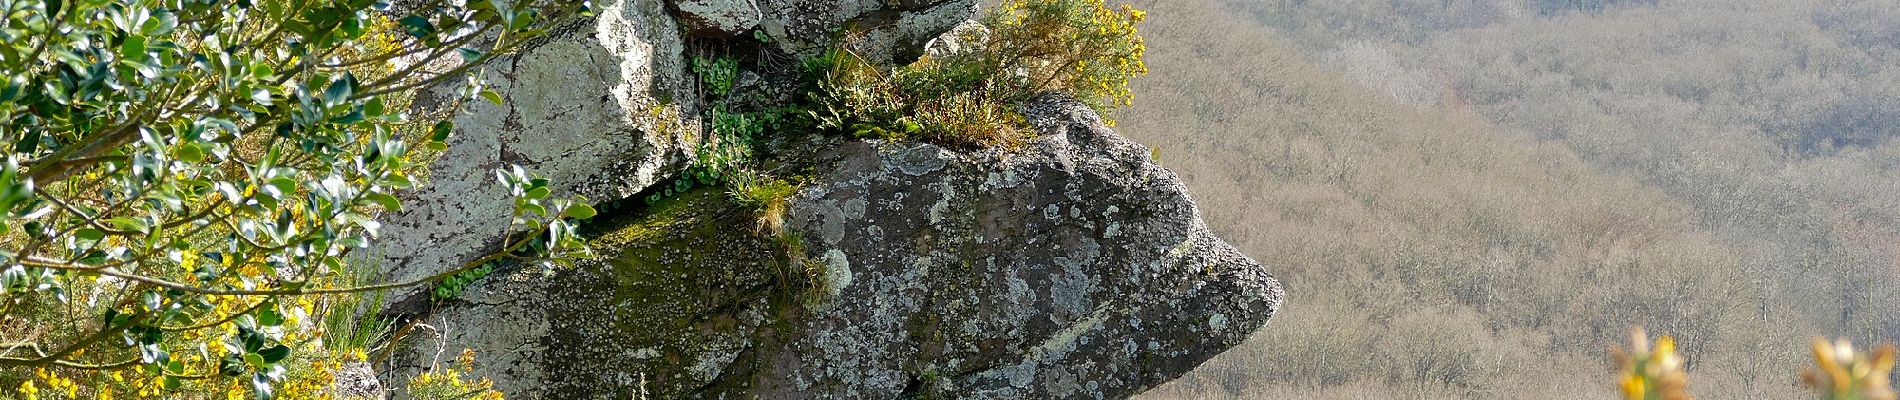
(1474, 199)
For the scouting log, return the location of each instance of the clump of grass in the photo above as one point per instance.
(768, 197)
(1082, 47)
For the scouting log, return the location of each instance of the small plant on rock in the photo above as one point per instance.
(717, 74)
(1082, 47)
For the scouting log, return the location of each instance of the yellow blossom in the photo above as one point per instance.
(1648, 373)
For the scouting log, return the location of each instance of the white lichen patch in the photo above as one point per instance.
(837, 272)
(854, 208)
(1217, 322)
(940, 211)
(710, 363)
(646, 353)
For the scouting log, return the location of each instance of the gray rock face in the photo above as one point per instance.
(585, 108)
(959, 40)
(1072, 268)
(719, 17)
(356, 380)
(885, 30)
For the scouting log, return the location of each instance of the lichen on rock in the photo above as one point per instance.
(997, 298)
(719, 17)
(992, 298)
(1070, 266)
(577, 111)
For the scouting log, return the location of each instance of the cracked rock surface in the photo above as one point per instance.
(1074, 267)
(579, 109)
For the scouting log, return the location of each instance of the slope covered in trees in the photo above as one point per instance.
(1474, 200)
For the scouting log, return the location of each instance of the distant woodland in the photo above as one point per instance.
(1474, 198)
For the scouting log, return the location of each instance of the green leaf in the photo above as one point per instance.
(340, 90)
(133, 49)
(522, 20)
(581, 211)
(274, 354)
(374, 108)
(384, 199)
(130, 224)
(29, 142)
(89, 234)
(14, 87)
(160, 24)
(152, 302)
(262, 70)
(191, 153)
(469, 55)
(537, 193)
(171, 383)
(440, 133)
(284, 184)
(260, 383)
(254, 359)
(492, 97)
(352, 28)
(417, 26)
(268, 316)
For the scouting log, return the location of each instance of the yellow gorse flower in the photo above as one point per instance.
(1848, 375)
(1651, 374)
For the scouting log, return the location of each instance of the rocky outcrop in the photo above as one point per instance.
(1073, 267)
(604, 108)
(595, 108)
(356, 380)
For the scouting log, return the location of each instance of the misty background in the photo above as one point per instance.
(1475, 198)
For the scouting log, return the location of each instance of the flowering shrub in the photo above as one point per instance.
(1843, 374)
(447, 383)
(1651, 374)
(1079, 46)
(1848, 375)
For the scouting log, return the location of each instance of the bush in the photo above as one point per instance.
(183, 181)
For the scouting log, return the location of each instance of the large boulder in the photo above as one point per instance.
(1072, 267)
(596, 108)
